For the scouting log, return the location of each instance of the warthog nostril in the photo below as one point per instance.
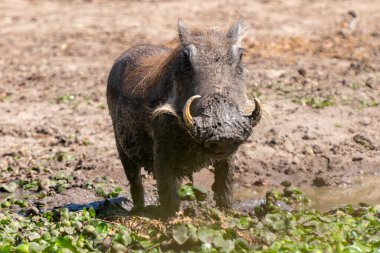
(222, 146)
(211, 145)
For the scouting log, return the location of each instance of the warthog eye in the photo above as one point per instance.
(186, 53)
(186, 62)
(239, 67)
(241, 53)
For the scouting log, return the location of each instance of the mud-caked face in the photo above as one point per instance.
(210, 87)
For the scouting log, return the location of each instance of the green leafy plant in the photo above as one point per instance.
(316, 102)
(368, 103)
(67, 98)
(270, 228)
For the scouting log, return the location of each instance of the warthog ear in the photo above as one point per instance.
(236, 31)
(182, 31)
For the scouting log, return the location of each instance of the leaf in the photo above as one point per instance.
(51, 249)
(66, 243)
(34, 248)
(279, 225)
(193, 237)
(117, 247)
(206, 247)
(224, 245)
(241, 244)
(5, 248)
(206, 235)
(101, 227)
(22, 248)
(217, 234)
(243, 223)
(180, 233)
(352, 249)
(125, 240)
(186, 192)
(215, 214)
(145, 244)
(100, 192)
(92, 212)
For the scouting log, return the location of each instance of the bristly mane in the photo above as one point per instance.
(158, 66)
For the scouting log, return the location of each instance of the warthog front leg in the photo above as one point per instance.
(133, 172)
(167, 183)
(222, 186)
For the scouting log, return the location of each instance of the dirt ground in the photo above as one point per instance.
(315, 65)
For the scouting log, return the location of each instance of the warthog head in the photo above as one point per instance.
(208, 95)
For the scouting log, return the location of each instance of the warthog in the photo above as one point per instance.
(177, 110)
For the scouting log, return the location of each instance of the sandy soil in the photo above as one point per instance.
(302, 55)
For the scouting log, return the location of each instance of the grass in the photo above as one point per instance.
(4, 97)
(67, 98)
(316, 102)
(368, 103)
(355, 86)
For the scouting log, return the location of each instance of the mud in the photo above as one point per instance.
(314, 66)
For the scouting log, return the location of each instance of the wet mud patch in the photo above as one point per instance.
(364, 192)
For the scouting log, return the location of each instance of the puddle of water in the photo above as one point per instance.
(366, 189)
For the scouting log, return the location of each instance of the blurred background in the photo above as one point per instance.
(314, 65)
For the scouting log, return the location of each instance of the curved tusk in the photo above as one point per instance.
(256, 114)
(186, 111)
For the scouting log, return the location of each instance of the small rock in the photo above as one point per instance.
(364, 141)
(365, 121)
(319, 181)
(289, 146)
(11, 187)
(296, 160)
(259, 182)
(307, 137)
(369, 83)
(308, 151)
(284, 206)
(357, 158)
(302, 72)
(316, 149)
(44, 184)
(32, 211)
(106, 243)
(352, 13)
(289, 171)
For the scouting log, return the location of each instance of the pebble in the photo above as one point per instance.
(302, 72)
(370, 83)
(316, 149)
(308, 151)
(357, 158)
(365, 121)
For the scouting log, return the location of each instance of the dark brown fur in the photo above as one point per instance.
(147, 89)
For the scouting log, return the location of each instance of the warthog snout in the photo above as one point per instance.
(220, 126)
(222, 146)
